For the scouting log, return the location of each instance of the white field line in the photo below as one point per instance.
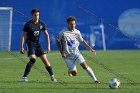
(2, 59)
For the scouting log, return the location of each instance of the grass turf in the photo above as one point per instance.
(121, 64)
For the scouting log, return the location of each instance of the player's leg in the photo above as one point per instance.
(72, 72)
(84, 65)
(71, 67)
(40, 53)
(89, 71)
(48, 66)
(29, 65)
(32, 56)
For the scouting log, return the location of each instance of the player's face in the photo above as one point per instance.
(36, 16)
(71, 25)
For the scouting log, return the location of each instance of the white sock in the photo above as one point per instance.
(90, 72)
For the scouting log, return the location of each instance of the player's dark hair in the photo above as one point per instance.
(71, 18)
(35, 10)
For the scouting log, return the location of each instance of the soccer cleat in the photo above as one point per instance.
(97, 82)
(53, 79)
(69, 74)
(24, 79)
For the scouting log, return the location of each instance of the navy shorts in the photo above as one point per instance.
(35, 49)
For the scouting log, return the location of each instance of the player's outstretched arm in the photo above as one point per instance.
(22, 42)
(87, 45)
(48, 40)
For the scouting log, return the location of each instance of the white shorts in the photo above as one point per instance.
(70, 61)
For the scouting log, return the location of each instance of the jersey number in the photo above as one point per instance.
(36, 33)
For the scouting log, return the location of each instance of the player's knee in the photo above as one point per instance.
(84, 65)
(32, 61)
(32, 56)
(74, 73)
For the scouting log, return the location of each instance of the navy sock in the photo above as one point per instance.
(49, 69)
(28, 67)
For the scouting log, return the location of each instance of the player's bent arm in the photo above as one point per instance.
(22, 42)
(60, 49)
(47, 39)
(87, 45)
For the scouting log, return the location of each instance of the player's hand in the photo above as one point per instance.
(93, 51)
(22, 51)
(64, 55)
(49, 50)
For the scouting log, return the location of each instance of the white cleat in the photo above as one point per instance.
(24, 79)
(97, 82)
(53, 79)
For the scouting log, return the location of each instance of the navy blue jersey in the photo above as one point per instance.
(33, 31)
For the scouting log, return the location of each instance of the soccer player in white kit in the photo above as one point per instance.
(68, 43)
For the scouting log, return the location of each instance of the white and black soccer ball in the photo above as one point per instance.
(114, 83)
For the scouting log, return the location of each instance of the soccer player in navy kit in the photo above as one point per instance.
(32, 30)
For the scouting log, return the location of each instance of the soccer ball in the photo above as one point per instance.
(114, 83)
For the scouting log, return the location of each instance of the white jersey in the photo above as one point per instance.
(70, 41)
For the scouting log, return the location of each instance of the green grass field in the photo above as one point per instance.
(121, 64)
